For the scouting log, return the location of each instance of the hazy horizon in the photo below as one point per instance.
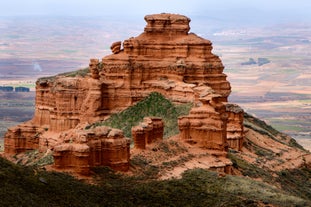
(235, 12)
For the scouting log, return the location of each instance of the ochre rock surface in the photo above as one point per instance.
(165, 58)
(116, 47)
(21, 138)
(206, 125)
(147, 132)
(235, 128)
(78, 150)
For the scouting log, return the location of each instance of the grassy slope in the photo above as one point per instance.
(22, 186)
(153, 105)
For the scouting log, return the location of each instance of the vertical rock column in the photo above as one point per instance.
(204, 127)
(147, 132)
(235, 128)
(82, 149)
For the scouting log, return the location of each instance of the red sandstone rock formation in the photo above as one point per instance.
(235, 128)
(82, 149)
(116, 47)
(165, 58)
(94, 68)
(21, 138)
(147, 132)
(205, 126)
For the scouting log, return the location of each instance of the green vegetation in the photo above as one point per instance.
(287, 127)
(28, 186)
(82, 72)
(259, 125)
(297, 181)
(35, 158)
(263, 128)
(70, 51)
(153, 105)
(250, 170)
(33, 186)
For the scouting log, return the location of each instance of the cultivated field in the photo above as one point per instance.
(15, 108)
(280, 91)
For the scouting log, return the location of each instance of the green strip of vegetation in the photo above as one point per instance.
(153, 105)
(82, 72)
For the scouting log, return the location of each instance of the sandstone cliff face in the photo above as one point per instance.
(21, 138)
(64, 102)
(165, 58)
(235, 128)
(79, 150)
(205, 126)
(149, 131)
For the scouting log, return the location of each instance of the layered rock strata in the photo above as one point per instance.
(165, 58)
(147, 132)
(205, 126)
(82, 149)
(235, 128)
(21, 138)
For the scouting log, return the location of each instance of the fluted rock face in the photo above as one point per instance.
(22, 138)
(235, 128)
(147, 132)
(64, 102)
(165, 51)
(78, 150)
(205, 126)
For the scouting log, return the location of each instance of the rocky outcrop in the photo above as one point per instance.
(22, 138)
(116, 47)
(147, 132)
(64, 102)
(205, 126)
(235, 128)
(94, 68)
(165, 58)
(80, 149)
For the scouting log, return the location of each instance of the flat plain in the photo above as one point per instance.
(278, 92)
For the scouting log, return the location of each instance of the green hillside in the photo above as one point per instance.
(24, 186)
